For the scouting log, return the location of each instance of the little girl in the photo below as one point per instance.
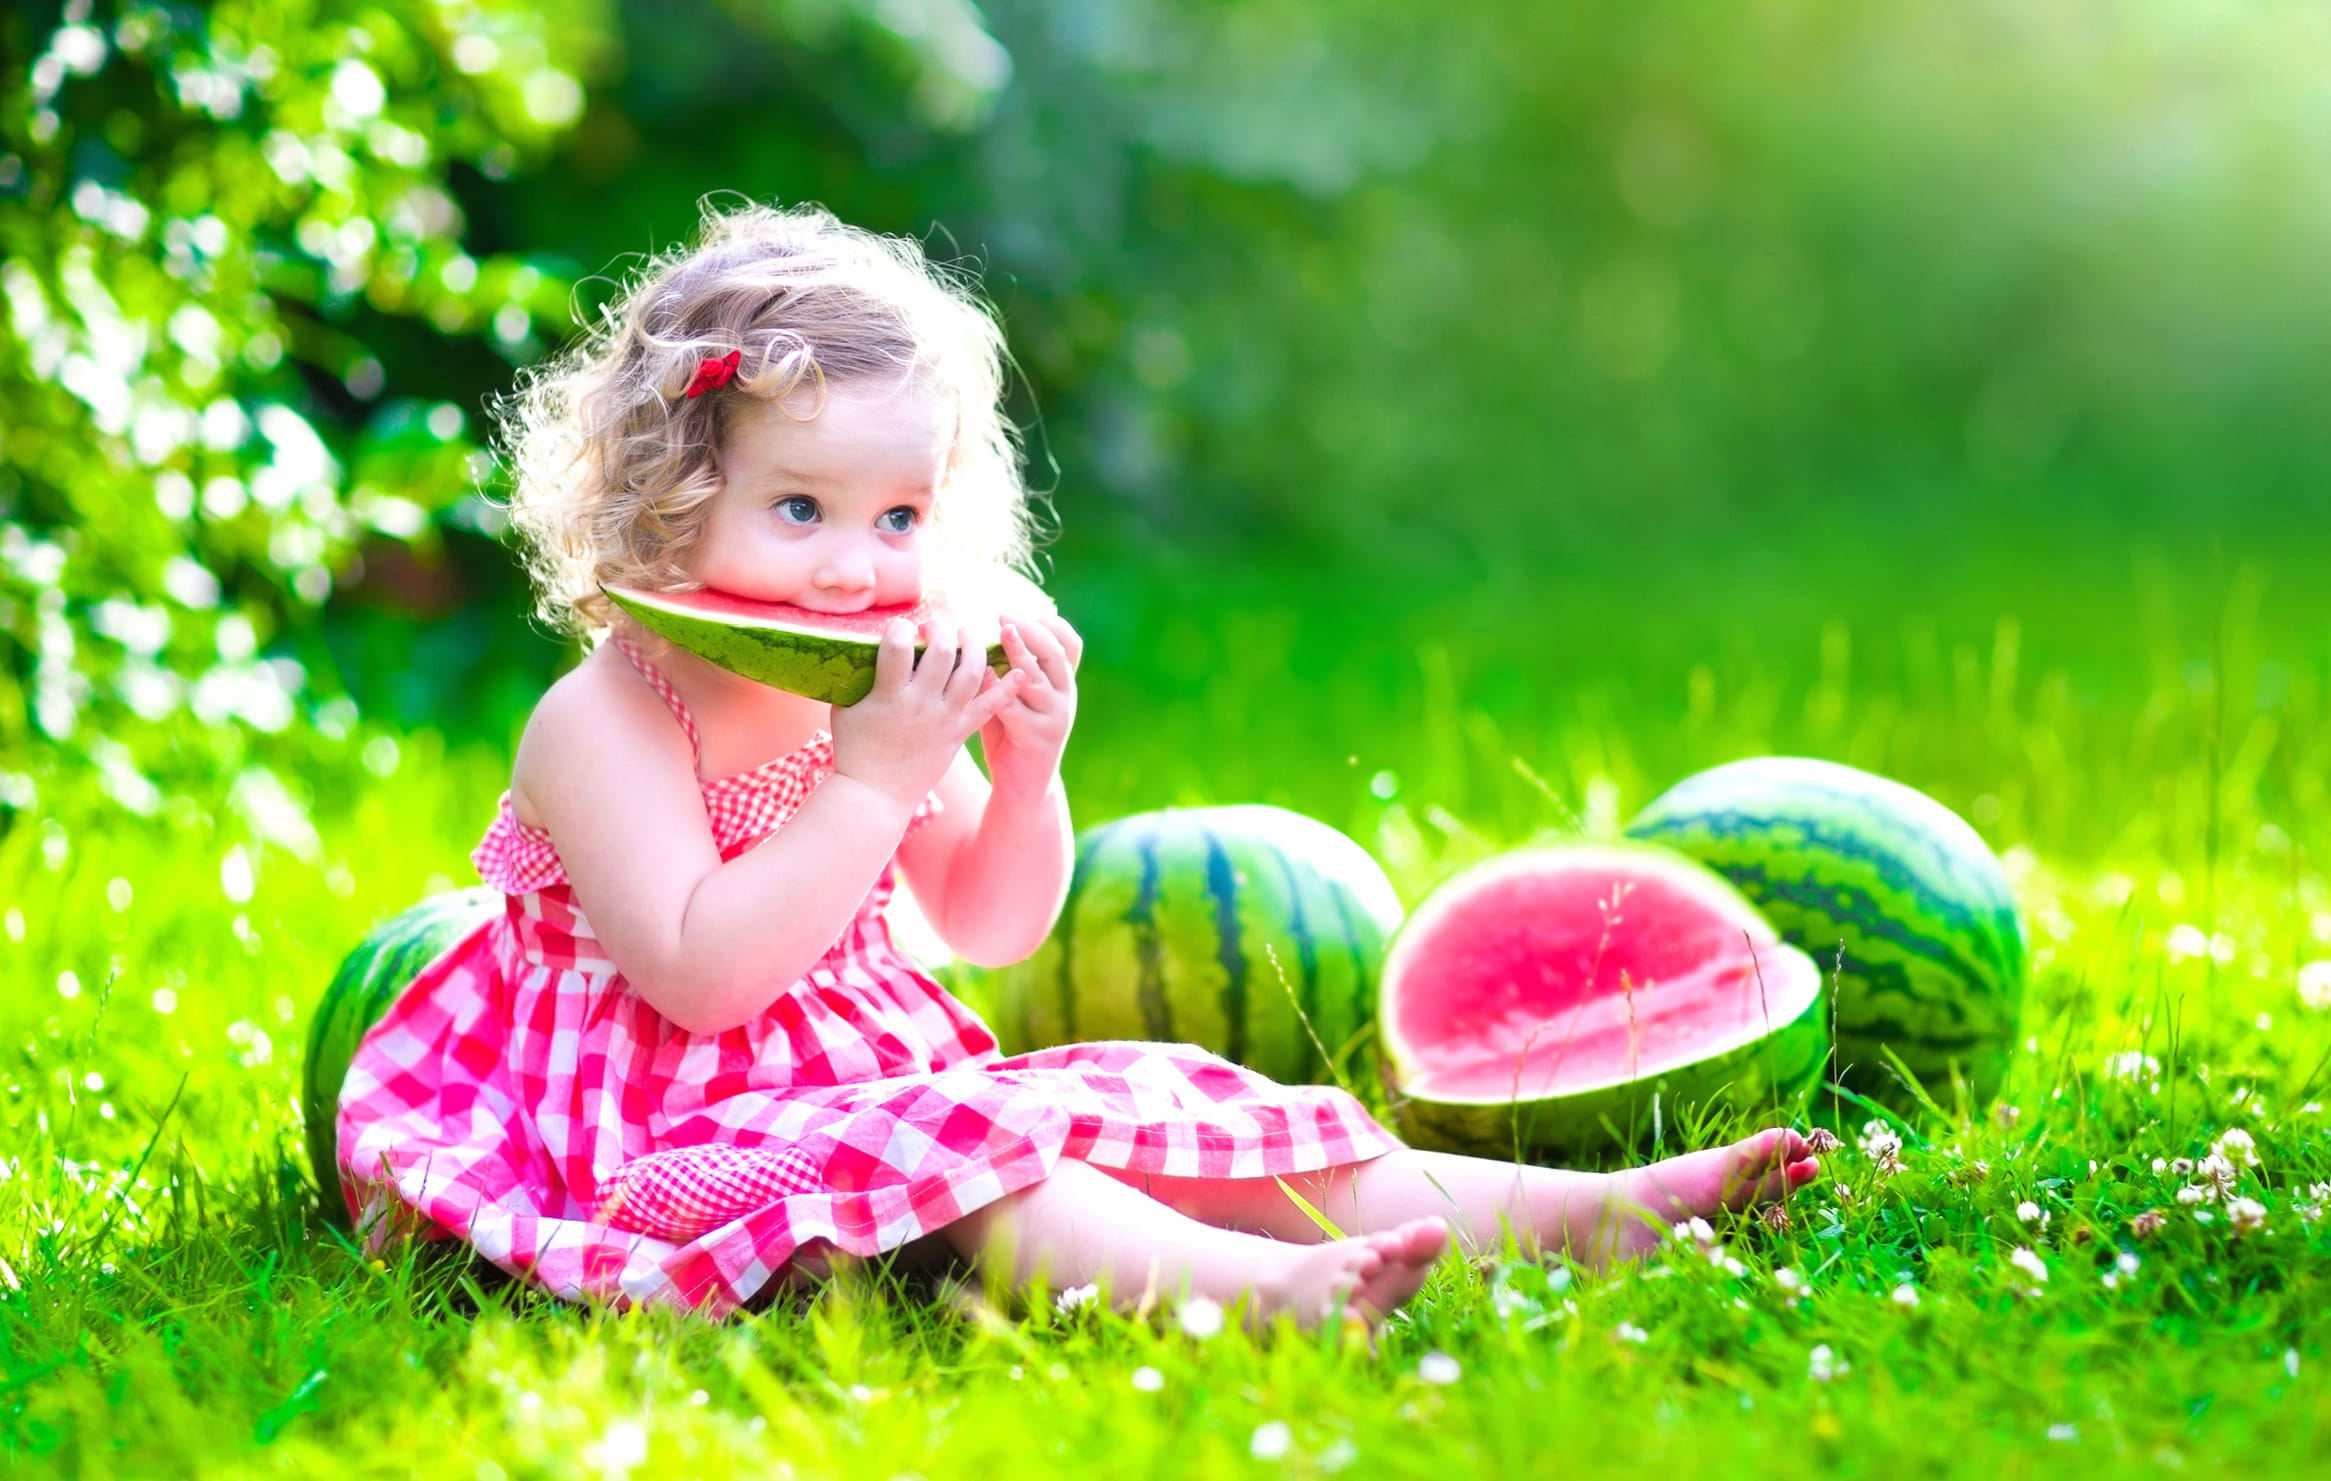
(687, 1063)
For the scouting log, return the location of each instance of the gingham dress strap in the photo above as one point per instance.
(663, 688)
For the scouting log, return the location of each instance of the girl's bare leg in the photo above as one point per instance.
(1593, 1217)
(1081, 1227)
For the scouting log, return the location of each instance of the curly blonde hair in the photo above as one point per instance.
(612, 465)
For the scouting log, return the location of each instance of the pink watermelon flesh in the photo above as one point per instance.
(1550, 972)
(865, 625)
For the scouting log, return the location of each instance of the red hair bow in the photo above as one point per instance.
(713, 372)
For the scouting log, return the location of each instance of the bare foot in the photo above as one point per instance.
(1763, 1168)
(1409, 1251)
(1368, 1276)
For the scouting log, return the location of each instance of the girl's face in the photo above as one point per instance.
(828, 513)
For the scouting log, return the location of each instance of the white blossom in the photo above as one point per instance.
(1148, 1379)
(1270, 1440)
(1905, 1295)
(1076, 1298)
(2247, 1215)
(1822, 1364)
(1883, 1146)
(1200, 1316)
(2029, 1262)
(1438, 1367)
(2315, 984)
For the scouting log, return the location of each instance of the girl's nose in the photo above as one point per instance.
(845, 567)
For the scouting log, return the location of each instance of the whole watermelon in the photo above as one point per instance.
(1226, 927)
(1886, 887)
(370, 978)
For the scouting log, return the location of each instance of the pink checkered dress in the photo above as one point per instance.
(521, 1096)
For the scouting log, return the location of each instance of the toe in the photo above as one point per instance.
(1423, 1240)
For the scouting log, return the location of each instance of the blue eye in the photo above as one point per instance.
(898, 521)
(799, 509)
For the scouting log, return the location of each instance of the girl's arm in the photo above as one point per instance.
(991, 869)
(708, 943)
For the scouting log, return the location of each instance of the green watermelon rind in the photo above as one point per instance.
(835, 667)
(1919, 925)
(1772, 1069)
(370, 978)
(1211, 886)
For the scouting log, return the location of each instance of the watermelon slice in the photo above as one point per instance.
(1538, 1005)
(824, 655)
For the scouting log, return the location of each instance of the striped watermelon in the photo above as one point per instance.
(369, 979)
(1211, 926)
(1882, 885)
(1553, 1003)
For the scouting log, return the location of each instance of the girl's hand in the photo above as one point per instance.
(1024, 741)
(901, 738)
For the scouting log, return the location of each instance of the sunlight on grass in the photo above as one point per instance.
(173, 1300)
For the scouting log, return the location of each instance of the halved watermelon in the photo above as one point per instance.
(824, 655)
(1538, 1004)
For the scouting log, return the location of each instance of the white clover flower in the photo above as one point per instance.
(2219, 1172)
(2247, 1215)
(2063, 1432)
(1438, 1367)
(2131, 1065)
(1148, 1379)
(2193, 1193)
(621, 1448)
(1788, 1280)
(2266, 1023)
(1883, 1146)
(2127, 1262)
(1822, 1365)
(1270, 1440)
(2027, 1211)
(2290, 1361)
(2029, 1262)
(2236, 1146)
(2315, 985)
(1200, 1316)
(1076, 1298)
(1905, 1295)
(1697, 1230)
(1629, 1332)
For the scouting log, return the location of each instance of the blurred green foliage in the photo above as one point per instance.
(217, 223)
(1632, 334)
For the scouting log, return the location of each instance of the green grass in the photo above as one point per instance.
(174, 1303)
